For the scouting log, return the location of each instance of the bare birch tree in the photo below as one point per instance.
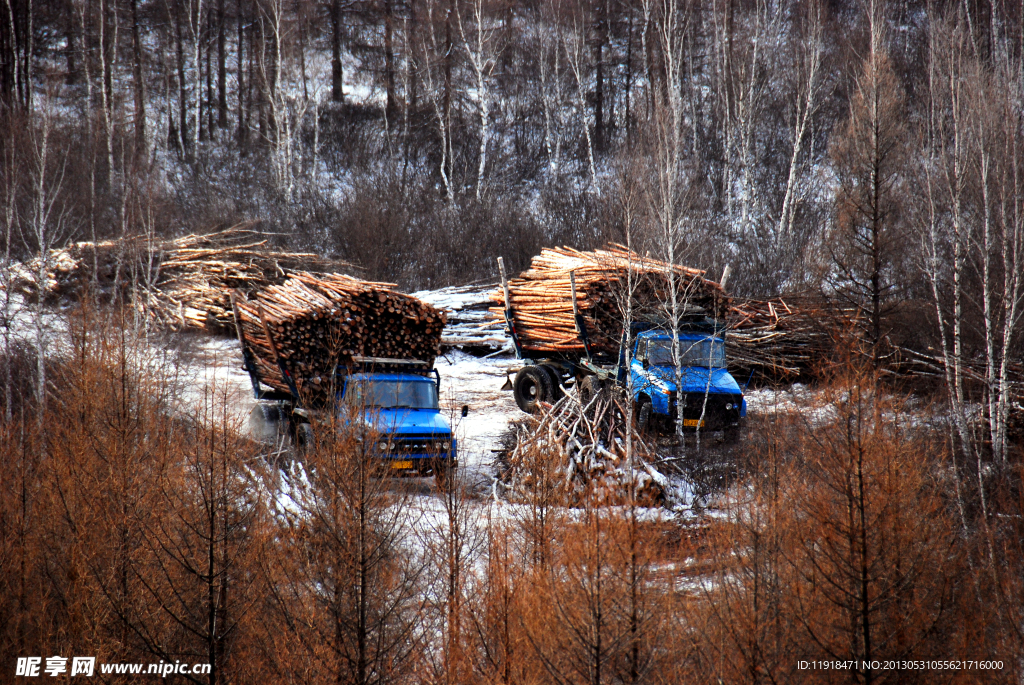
(47, 227)
(8, 309)
(438, 46)
(479, 42)
(576, 50)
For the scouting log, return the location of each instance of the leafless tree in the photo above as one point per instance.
(347, 582)
(8, 309)
(454, 542)
(575, 44)
(47, 227)
(480, 41)
(438, 47)
(870, 157)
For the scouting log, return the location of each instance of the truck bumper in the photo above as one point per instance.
(418, 456)
(711, 411)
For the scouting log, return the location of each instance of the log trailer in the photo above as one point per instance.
(396, 399)
(692, 381)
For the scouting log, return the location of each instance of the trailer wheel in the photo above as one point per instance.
(532, 386)
(556, 381)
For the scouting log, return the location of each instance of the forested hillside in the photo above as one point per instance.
(422, 138)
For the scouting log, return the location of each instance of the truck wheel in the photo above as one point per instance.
(731, 435)
(532, 386)
(304, 440)
(265, 422)
(556, 381)
(644, 412)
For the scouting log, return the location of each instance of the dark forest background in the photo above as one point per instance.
(421, 139)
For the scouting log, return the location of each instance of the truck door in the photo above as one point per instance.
(637, 370)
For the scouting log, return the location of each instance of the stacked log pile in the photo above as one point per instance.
(541, 297)
(470, 325)
(316, 323)
(570, 451)
(182, 283)
(775, 339)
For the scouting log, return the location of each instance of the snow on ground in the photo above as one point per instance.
(465, 380)
(771, 400)
(796, 399)
(476, 383)
(216, 373)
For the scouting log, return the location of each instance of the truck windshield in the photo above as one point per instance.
(707, 352)
(394, 394)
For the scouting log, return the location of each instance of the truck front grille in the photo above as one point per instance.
(715, 414)
(420, 445)
(417, 446)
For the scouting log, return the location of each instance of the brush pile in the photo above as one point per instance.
(783, 338)
(908, 363)
(182, 283)
(570, 450)
(313, 324)
(541, 297)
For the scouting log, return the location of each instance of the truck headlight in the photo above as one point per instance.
(728, 406)
(383, 446)
(446, 445)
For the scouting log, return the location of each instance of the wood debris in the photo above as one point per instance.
(318, 323)
(572, 450)
(181, 283)
(783, 338)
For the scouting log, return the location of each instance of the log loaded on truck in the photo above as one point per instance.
(357, 351)
(574, 335)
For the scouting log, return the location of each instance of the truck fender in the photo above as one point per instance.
(556, 381)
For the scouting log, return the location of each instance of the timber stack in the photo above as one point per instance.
(541, 297)
(180, 284)
(314, 324)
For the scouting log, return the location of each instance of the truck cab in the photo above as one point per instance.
(706, 394)
(396, 398)
(403, 410)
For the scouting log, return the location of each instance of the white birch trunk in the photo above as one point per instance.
(441, 115)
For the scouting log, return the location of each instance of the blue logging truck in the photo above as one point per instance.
(397, 399)
(692, 383)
